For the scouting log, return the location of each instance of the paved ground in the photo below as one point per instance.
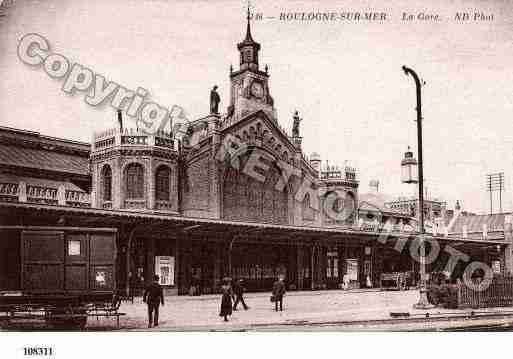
(354, 310)
(323, 310)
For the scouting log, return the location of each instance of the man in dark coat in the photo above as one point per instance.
(238, 290)
(278, 293)
(153, 296)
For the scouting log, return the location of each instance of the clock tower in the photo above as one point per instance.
(249, 89)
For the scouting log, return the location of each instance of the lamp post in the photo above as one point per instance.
(230, 248)
(408, 164)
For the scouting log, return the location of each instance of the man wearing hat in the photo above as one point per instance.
(238, 290)
(153, 296)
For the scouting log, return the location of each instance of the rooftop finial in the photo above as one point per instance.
(248, 29)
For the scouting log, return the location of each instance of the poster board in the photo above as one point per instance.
(352, 269)
(165, 269)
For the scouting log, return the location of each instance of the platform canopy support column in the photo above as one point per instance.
(508, 248)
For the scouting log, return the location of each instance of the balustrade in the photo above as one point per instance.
(22, 192)
(129, 137)
(78, 199)
(135, 203)
(9, 189)
(163, 205)
(40, 194)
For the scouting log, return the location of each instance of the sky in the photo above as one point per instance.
(344, 77)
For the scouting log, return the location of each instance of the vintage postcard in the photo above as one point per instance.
(254, 166)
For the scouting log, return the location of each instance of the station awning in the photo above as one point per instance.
(195, 227)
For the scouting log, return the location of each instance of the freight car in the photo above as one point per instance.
(57, 274)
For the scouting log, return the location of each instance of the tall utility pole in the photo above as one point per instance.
(495, 183)
(423, 300)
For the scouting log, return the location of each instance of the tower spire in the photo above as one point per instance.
(248, 38)
(248, 48)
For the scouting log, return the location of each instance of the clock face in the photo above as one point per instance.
(257, 89)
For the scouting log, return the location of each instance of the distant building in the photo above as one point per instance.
(486, 228)
(434, 208)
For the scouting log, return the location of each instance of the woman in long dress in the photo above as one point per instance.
(226, 301)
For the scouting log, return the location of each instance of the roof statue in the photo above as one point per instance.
(215, 99)
(295, 126)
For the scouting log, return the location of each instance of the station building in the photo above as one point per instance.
(193, 217)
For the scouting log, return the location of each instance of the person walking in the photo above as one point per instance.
(238, 290)
(278, 292)
(153, 296)
(226, 300)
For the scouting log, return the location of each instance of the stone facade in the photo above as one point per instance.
(115, 152)
(267, 179)
(239, 166)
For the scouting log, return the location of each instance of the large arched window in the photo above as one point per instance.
(134, 181)
(247, 199)
(162, 182)
(107, 183)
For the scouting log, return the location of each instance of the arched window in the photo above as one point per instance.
(247, 199)
(162, 182)
(308, 213)
(134, 181)
(107, 183)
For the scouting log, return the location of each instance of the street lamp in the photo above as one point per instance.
(408, 166)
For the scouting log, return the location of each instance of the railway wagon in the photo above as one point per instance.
(58, 274)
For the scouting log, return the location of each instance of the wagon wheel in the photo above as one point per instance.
(4, 323)
(57, 319)
(79, 322)
(433, 296)
(67, 323)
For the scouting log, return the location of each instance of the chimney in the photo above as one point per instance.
(374, 186)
